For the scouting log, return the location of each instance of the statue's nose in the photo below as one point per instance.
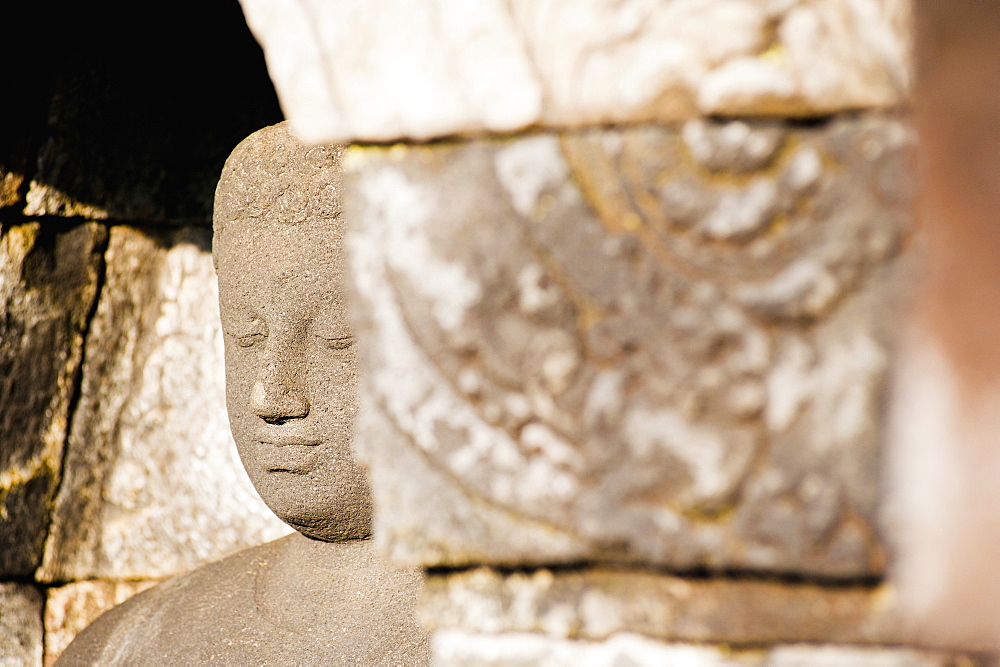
(276, 398)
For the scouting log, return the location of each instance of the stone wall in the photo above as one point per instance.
(628, 317)
(627, 281)
(116, 463)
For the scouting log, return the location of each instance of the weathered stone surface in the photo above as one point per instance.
(153, 485)
(595, 346)
(391, 69)
(596, 603)
(71, 608)
(466, 648)
(48, 281)
(20, 625)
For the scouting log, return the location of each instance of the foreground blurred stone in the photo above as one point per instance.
(48, 281)
(150, 446)
(944, 483)
(20, 625)
(389, 69)
(646, 345)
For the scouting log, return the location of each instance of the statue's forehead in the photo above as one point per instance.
(286, 250)
(277, 216)
(271, 176)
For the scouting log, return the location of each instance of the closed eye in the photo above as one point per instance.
(340, 343)
(250, 339)
(247, 330)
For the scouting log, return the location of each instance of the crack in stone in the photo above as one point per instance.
(99, 250)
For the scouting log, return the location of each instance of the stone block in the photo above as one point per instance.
(467, 648)
(604, 345)
(153, 485)
(49, 277)
(20, 625)
(391, 69)
(71, 608)
(596, 603)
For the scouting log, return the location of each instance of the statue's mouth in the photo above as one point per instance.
(288, 455)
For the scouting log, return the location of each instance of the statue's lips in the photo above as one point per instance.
(293, 455)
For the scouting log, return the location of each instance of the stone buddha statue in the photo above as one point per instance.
(322, 594)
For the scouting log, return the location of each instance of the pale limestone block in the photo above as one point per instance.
(153, 485)
(20, 625)
(390, 69)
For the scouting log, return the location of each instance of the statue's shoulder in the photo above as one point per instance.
(189, 613)
(292, 601)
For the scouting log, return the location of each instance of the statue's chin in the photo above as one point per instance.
(336, 515)
(332, 532)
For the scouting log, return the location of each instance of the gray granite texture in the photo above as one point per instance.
(662, 345)
(291, 362)
(292, 601)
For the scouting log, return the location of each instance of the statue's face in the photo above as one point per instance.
(291, 372)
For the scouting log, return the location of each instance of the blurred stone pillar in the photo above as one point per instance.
(628, 319)
(945, 490)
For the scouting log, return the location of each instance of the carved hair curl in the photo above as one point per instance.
(273, 177)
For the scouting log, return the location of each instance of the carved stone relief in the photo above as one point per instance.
(657, 345)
